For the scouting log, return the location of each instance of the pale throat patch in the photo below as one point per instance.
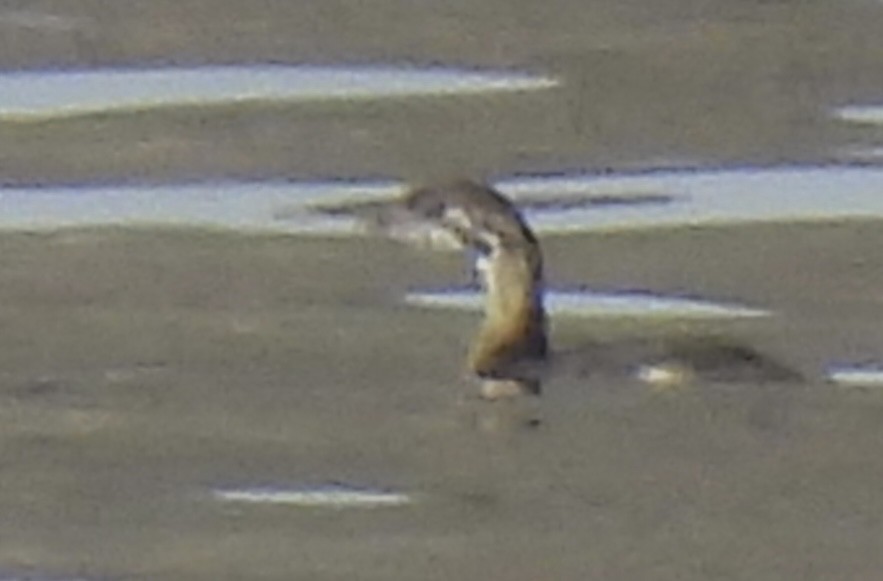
(482, 265)
(485, 262)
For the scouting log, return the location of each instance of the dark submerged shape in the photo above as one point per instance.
(510, 350)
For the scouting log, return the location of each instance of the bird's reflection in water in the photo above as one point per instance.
(510, 355)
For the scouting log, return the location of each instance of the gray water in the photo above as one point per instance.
(221, 379)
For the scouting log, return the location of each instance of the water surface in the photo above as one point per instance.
(595, 304)
(863, 114)
(40, 94)
(149, 372)
(674, 198)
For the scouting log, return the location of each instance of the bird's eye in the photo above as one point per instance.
(425, 204)
(482, 246)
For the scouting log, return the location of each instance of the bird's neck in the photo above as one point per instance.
(514, 326)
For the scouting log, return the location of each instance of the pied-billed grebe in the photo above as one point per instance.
(511, 346)
(510, 350)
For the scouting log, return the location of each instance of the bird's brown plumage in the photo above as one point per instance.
(510, 350)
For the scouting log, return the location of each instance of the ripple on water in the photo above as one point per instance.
(37, 94)
(35, 575)
(592, 304)
(577, 203)
(857, 376)
(329, 495)
(710, 197)
(239, 206)
(656, 199)
(861, 154)
(45, 22)
(864, 114)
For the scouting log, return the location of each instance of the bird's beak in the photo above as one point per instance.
(406, 226)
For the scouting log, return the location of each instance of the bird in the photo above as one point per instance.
(510, 353)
